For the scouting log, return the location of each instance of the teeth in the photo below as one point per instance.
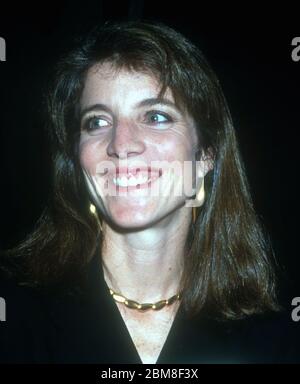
(131, 182)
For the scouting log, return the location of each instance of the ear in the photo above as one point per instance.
(206, 162)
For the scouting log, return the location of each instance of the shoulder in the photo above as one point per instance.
(25, 331)
(268, 338)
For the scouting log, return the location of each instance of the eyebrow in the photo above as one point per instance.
(144, 103)
(156, 100)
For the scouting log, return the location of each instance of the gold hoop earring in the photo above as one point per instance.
(94, 212)
(200, 197)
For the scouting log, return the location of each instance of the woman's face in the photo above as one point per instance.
(131, 146)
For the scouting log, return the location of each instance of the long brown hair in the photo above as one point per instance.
(228, 268)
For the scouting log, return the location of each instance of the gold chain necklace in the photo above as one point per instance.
(143, 307)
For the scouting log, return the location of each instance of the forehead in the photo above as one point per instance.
(110, 84)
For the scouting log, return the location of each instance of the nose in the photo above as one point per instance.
(126, 141)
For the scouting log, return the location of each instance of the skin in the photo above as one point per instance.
(143, 245)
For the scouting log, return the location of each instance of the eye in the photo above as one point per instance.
(157, 118)
(94, 123)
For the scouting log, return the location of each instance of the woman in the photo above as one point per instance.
(150, 250)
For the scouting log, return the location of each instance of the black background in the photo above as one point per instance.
(250, 51)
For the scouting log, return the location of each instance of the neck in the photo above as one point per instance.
(146, 265)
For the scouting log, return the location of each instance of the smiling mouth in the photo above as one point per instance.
(135, 178)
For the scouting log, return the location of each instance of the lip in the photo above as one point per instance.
(152, 173)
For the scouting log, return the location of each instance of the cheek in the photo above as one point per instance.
(179, 155)
(176, 150)
(90, 156)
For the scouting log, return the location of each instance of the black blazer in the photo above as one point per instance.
(90, 329)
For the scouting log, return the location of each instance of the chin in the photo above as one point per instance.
(132, 220)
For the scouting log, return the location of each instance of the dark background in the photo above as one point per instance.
(250, 51)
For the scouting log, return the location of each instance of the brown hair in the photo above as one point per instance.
(228, 268)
